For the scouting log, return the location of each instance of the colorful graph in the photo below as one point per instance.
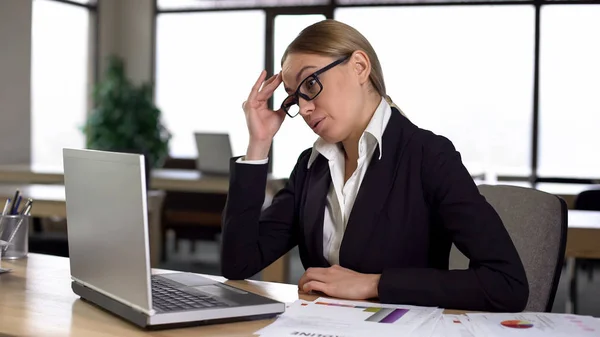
(380, 315)
(517, 324)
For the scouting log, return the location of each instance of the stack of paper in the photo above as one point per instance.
(337, 318)
(327, 317)
(532, 324)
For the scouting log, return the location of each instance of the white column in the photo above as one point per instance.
(15, 81)
(126, 31)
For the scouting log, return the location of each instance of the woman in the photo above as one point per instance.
(377, 202)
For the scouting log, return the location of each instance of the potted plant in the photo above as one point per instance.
(125, 119)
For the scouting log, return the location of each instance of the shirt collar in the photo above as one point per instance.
(375, 128)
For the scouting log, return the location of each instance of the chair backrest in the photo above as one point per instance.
(588, 200)
(537, 224)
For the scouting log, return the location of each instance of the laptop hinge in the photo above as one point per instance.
(116, 298)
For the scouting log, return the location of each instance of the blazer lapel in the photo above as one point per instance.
(373, 192)
(318, 183)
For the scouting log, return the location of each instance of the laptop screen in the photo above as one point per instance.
(214, 153)
(107, 224)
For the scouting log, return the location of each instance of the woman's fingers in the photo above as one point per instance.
(269, 87)
(269, 81)
(257, 85)
(316, 286)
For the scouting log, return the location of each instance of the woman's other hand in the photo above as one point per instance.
(340, 282)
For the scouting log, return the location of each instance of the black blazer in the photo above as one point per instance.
(412, 204)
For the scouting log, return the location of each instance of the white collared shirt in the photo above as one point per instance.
(341, 196)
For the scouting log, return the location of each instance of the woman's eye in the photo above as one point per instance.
(310, 84)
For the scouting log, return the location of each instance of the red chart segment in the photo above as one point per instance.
(517, 324)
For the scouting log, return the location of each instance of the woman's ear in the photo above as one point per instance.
(361, 65)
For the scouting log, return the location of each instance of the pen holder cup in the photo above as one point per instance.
(14, 230)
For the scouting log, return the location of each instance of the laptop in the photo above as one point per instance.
(214, 153)
(107, 227)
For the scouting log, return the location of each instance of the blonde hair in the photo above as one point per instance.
(336, 39)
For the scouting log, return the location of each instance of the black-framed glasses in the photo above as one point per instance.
(308, 89)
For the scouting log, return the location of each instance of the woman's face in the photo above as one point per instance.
(332, 114)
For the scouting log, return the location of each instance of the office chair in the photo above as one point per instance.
(190, 215)
(588, 200)
(537, 224)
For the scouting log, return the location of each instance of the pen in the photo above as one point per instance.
(27, 204)
(12, 207)
(15, 209)
(4, 213)
(27, 209)
(6, 206)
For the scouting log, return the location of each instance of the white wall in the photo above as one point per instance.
(126, 30)
(15, 81)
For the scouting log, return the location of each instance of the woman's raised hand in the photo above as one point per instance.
(263, 123)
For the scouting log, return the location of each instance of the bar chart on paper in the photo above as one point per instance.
(333, 317)
(373, 314)
(365, 313)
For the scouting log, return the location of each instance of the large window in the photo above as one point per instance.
(205, 67)
(569, 91)
(59, 89)
(461, 72)
(467, 72)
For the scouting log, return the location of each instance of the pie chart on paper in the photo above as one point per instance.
(517, 324)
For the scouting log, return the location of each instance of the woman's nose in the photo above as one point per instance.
(306, 107)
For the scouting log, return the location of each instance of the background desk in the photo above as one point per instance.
(49, 201)
(583, 241)
(579, 245)
(161, 179)
(194, 181)
(37, 300)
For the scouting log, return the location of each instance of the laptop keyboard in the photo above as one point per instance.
(168, 298)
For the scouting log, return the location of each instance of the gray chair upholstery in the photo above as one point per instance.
(537, 223)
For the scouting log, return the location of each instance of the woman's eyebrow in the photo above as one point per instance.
(290, 91)
(302, 70)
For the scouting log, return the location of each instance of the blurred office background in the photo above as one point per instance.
(514, 84)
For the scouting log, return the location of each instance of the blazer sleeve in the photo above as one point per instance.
(495, 279)
(252, 239)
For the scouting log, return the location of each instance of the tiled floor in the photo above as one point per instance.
(206, 260)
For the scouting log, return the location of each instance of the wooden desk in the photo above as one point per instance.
(31, 174)
(188, 181)
(584, 234)
(36, 300)
(161, 179)
(194, 181)
(49, 201)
